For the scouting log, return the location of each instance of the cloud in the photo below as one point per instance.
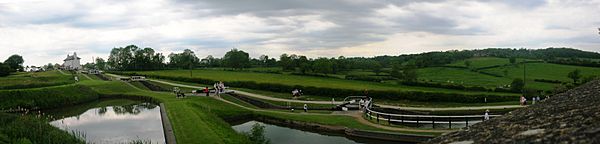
(45, 31)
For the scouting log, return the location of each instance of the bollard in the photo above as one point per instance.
(433, 122)
(449, 124)
(377, 118)
(466, 122)
(389, 119)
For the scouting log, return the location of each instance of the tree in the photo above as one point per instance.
(468, 64)
(184, 60)
(575, 75)
(410, 73)
(512, 60)
(100, 64)
(4, 70)
(15, 62)
(257, 134)
(304, 64)
(286, 62)
(323, 65)
(376, 67)
(517, 85)
(236, 59)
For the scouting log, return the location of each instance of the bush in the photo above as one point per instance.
(29, 129)
(342, 93)
(48, 97)
(548, 81)
(368, 78)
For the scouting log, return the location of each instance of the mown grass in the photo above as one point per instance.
(291, 80)
(24, 80)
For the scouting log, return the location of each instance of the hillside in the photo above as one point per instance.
(570, 117)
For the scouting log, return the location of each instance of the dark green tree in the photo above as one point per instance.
(512, 60)
(185, 60)
(15, 62)
(257, 134)
(517, 85)
(236, 59)
(4, 70)
(323, 65)
(575, 75)
(467, 64)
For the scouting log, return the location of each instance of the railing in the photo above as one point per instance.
(421, 119)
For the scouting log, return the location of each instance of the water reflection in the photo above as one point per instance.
(116, 123)
(284, 135)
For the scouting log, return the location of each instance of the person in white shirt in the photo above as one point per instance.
(305, 108)
(486, 116)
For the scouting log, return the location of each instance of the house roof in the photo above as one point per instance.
(71, 58)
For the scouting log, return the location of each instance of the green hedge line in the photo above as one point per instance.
(48, 97)
(33, 85)
(342, 93)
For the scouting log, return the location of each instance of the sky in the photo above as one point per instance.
(46, 31)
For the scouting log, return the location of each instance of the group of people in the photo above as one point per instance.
(219, 88)
(178, 92)
(296, 93)
(523, 100)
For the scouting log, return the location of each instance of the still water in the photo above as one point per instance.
(283, 135)
(112, 121)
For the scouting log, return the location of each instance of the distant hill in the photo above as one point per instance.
(570, 117)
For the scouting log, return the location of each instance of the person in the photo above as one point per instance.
(216, 85)
(522, 100)
(533, 100)
(366, 92)
(361, 103)
(538, 98)
(486, 116)
(294, 92)
(305, 108)
(333, 101)
(76, 79)
(221, 87)
(206, 90)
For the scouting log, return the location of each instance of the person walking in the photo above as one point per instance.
(305, 108)
(486, 116)
(522, 101)
(206, 91)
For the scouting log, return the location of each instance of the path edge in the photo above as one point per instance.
(167, 128)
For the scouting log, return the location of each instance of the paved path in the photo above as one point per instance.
(62, 72)
(339, 102)
(86, 76)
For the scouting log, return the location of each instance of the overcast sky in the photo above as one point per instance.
(46, 31)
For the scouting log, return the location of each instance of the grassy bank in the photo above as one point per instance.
(31, 129)
(25, 80)
(46, 97)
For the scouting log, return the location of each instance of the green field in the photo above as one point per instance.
(34, 79)
(480, 62)
(473, 78)
(285, 79)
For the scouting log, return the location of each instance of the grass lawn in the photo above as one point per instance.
(460, 76)
(534, 71)
(480, 62)
(22, 80)
(198, 119)
(543, 71)
(219, 75)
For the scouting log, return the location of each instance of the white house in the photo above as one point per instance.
(72, 62)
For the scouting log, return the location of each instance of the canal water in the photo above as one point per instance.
(112, 121)
(283, 135)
